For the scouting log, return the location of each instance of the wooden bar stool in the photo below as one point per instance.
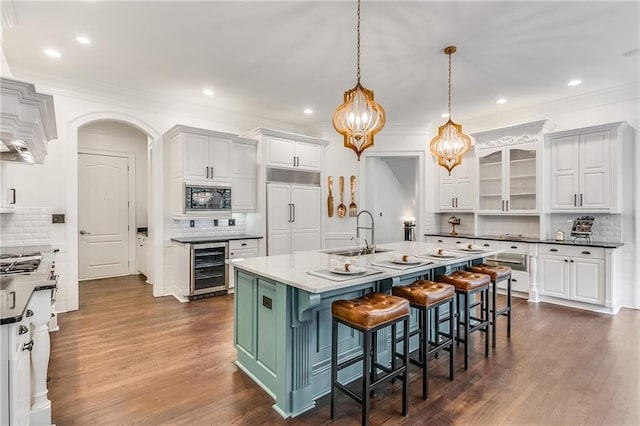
(497, 273)
(468, 284)
(368, 314)
(427, 297)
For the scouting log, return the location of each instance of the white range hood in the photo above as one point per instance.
(28, 122)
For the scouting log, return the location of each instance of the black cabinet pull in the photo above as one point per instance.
(13, 195)
(571, 261)
(566, 260)
(23, 330)
(439, 241)
(586, 252)
(514, 247)
(28, 346)
(514, 280)
(13, 299)
(243, 244)
(487, 245)
(29, 313)
(553, 250)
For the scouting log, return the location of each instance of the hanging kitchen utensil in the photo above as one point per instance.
(342, 209)
(353, 209)
(330, 198)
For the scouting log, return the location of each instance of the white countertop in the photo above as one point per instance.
(292, 269)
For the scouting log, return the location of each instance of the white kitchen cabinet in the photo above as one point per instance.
(508, 179)
(584, 164)
(456, 190)
(24, 359)
(206, 158)
(240, 249)
(142, 255)
(243, 175)
(295, 154)
(293, 218)
(573, 273)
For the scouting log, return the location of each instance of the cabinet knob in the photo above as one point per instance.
(566, 260)
(23, 329)
(29, 313)
(28, 346)
(571, 261)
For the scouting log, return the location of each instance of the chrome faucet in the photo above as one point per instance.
(358, 228)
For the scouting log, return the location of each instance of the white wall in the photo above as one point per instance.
(5, 70)
(122, 138)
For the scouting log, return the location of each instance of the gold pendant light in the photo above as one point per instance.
(359, 118)
(450, 144)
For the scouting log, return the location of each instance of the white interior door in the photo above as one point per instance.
(103, 216)
(279, 217)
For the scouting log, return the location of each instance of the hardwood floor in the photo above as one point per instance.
(128, 358)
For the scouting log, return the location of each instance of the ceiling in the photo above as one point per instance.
(276, 58)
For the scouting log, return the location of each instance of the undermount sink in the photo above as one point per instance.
(355, 252)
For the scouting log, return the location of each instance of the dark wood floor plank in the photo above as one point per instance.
(128, 358)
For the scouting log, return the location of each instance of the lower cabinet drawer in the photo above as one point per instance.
(574, 251)
(243, 244)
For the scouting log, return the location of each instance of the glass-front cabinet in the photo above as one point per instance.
(508, 179)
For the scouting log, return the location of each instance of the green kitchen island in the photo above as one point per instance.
(282, 315)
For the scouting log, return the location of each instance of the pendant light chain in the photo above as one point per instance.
(449, 85)
(358, 44)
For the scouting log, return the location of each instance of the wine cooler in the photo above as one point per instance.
(208, 268)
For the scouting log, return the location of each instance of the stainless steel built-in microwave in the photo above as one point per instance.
(200, 198)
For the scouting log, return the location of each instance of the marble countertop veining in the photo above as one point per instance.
(292, 269)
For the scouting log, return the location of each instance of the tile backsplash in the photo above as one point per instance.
(205, 226)
(25, 227)
(606, 227)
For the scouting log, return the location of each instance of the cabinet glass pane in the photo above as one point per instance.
(490, 186)
(522, 179)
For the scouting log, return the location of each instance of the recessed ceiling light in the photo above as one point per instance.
(501, 101)
(308, 111)
(574, 83)
(83, 40)
(52, 53)
(208, 92)
(445, 115)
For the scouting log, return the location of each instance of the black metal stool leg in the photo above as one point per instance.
(494, 311)
(467, 319)
(366, 367)
(425, 350)
(437, 326)
(458, 313)
(374, 359)
(509, 306)
(405, 375)
(451, 351)
(485, 317)
(334, 366)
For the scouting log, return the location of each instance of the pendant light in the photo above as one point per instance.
(450, 144)
(359, 118)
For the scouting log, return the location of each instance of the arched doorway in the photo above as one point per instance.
(155, 199)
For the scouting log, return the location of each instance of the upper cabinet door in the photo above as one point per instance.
(463, 185)
(522, 180)
(446, 190)
(490, 182)
(196, 157)
(220, 158)
(564, 173)
(594, 170)
(281, 152)
(309, 156)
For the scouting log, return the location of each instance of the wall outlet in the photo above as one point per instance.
(215, 222)
(57, 218)
(232, 222)
(192, 223)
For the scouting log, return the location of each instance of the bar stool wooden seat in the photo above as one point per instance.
(497, 273)
(468, 284)
(427, 297)
(368, 314)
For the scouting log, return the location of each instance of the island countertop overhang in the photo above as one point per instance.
(293, 269)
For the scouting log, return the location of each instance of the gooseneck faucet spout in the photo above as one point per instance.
(372, 227)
